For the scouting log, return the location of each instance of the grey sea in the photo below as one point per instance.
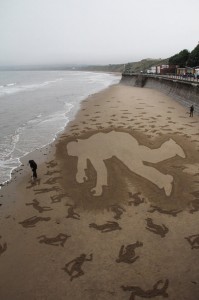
(36, 105)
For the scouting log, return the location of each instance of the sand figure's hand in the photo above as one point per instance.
(97, 191)
(81, 177)
(168, 185)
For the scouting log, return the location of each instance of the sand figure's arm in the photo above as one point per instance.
(101, 180)
(81, 167)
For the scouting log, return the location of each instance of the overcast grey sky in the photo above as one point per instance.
(95, 31)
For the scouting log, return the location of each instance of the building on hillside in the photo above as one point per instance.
(196, 72)
(185, 71)
(152, 70)
(162, 69)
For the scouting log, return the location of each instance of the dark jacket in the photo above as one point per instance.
(33, 164)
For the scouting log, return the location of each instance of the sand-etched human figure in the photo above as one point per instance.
(107, 227)
(60, 239)
(75, 266)
(127, 254)
(31, 222)
(193, 241)
(102, 146)
(161, 230)
(71, 213)
(37, 206)
(154, 292)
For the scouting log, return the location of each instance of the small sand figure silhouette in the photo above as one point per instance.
(52, 180)
(52, 172)
(57, 198)
(75, 266)
(156, 291)
(109, 226)
(39, 208)
(3, 247)
(164, 211)
(51, 164)
(118, 210)
(127, 255)
(193, 241)
(126, 148)
(161, 230)
(52, 189)
(31, 222)
(137, 199)
(59, 240)
(71, 213)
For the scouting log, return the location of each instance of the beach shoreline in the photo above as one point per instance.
(85, 179)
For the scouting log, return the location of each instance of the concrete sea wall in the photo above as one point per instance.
(185, 92)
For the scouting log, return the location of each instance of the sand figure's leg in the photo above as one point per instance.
(80, 273)
(167, 150)
(153, 175)
(81, 167)
(101, 171)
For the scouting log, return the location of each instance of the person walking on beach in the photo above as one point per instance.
(33, 166)
(191, 111)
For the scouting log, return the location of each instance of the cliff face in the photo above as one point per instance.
(185, 92)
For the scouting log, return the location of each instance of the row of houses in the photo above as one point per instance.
(172, 69)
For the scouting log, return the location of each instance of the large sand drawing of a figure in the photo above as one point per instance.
(123, 146)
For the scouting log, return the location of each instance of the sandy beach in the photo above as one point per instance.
(114, 211)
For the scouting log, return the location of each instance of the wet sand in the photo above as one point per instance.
(114, 212)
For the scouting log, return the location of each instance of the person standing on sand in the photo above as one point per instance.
(191, 111)
(33, 166)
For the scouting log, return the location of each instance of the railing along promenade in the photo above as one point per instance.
(185, 78)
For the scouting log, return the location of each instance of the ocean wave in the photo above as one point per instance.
(13, 88)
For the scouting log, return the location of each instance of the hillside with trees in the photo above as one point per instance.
(182, 59)
(185, 58)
